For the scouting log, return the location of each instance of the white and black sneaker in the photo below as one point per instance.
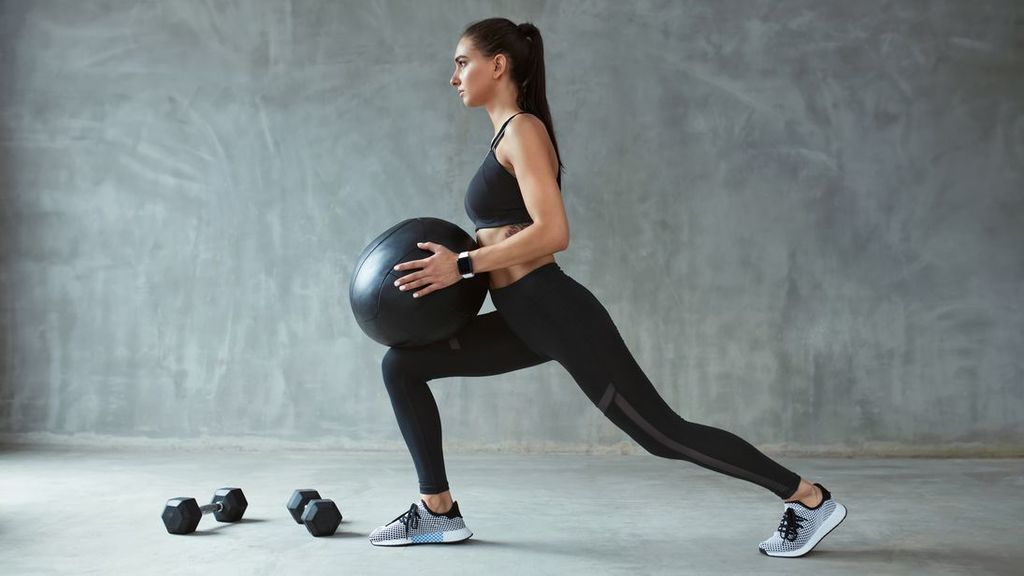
(802, 528)
(418, 525)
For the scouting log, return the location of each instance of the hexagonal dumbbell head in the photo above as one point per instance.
(297, 503)
(321, 517)
(233, 504)
(181, 515)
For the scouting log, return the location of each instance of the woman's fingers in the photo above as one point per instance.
(409, 264)
(410, 285)
(414, 280)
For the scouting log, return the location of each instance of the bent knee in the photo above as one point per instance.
(399, 365)
(396, 365)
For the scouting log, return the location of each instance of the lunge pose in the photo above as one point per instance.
(543, 314)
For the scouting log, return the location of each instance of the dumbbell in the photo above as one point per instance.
(321, 516)
(181, 515)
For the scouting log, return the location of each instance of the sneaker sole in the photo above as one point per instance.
(450, 537)
(835, 519)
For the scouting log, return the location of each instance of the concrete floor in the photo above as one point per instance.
(97, 511)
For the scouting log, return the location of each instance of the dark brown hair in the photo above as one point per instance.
(524, 48)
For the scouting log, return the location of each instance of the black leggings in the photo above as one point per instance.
(547, 315)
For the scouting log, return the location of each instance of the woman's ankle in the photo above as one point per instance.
(807, 494)
(438, 503)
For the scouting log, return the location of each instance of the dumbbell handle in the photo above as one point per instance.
(212, 507)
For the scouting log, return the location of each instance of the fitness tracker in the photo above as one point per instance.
(465, 265)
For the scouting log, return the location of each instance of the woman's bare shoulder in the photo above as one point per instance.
(530, 126)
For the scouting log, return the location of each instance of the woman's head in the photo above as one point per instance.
(494, 57)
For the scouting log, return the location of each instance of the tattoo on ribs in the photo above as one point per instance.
(512, 229)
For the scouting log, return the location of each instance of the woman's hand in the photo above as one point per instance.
(438, 271)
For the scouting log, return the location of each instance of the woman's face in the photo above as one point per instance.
(471, 79)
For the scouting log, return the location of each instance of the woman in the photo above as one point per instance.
(542, 314)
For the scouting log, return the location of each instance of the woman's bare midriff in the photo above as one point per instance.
(504, 276)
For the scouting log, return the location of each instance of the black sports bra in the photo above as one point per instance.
(493, 197)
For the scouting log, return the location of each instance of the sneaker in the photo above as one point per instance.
(802, 528)
(418, 525)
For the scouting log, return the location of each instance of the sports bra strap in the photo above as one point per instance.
(497, 137)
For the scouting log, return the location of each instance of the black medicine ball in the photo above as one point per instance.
(392, 316)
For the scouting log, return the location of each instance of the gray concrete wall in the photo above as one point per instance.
(805, 217)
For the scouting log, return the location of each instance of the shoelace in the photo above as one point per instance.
(790, 524)
(410, 518)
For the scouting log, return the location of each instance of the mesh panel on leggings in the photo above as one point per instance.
(693, 454)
